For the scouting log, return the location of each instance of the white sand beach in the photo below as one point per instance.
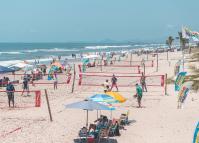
(159, 121)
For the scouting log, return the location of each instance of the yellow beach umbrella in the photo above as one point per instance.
(117, 96)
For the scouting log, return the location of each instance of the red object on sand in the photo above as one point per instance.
(37, 98)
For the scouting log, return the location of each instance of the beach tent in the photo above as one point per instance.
(22, 65)
(88, 105)
(5, 70)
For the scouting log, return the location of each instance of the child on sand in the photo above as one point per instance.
(106, 86)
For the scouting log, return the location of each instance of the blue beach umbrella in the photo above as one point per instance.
(103, 98)
(88, 105)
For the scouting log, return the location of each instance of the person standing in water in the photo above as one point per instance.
(114, 82)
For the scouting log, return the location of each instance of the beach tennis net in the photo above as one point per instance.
(149, 63)
(26, 100)
(122, 69)
(122, 80)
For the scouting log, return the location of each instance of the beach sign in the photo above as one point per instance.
(184, 90)
(196, 134)
(179, 80)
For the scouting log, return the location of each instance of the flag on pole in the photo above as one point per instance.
(184, 90)
(186, 33)
(179, 80)
(196, 135)
(195, 36)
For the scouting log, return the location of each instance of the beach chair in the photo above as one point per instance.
(124, 118)
(103, 134)
(83, 134)
(113, 129)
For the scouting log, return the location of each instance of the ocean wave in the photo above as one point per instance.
(105, 47)
(50, 50)
(12, 53)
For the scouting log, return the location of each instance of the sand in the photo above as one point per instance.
(159, 121)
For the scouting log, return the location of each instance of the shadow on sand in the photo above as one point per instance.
(104, 140)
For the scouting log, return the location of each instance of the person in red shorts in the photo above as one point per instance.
(114, 82)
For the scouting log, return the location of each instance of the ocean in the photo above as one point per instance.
(10, 52)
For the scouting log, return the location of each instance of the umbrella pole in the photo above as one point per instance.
(97, 114)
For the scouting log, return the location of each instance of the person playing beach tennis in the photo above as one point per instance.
(143, 82)
(25, 86)
(138, 95)
(55, 81)
(10, 92)
(114, 82)
(106, 86)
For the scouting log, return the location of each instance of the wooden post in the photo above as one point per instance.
(131, 60)
(101, 64)
(167, 55)
(48, 104)
(157, 62)
(165, 88)
(144, 68)
(147, 55)
(74, 75)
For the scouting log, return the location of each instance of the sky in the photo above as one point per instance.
(95, 20)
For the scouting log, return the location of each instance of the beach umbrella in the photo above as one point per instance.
(103, 98)
(116, 96)
(52, 71)
(5, 70)
(88, 105)
(57, 64)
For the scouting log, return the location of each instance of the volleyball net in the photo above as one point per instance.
(122, 69)
(22, 99)
(149, 63)
(19, 77)
(122, 80)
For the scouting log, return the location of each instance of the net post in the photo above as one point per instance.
(80, 69)
(48, 104)
(157, 62)
(165, 87)
(147, 55)
(101, 63)
(74, 75)
(152, 63)
(80, 79)
(131, 59)
(37, 98)
(139, 69)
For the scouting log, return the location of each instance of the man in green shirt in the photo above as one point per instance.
(139, 95)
